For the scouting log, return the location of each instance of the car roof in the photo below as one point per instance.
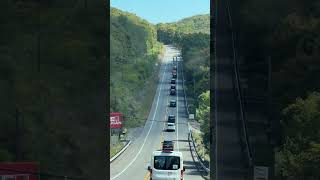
(172, 153)
(172, 100)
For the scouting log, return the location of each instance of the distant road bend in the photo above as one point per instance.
(133, 163)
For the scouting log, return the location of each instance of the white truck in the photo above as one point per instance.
(166, 164)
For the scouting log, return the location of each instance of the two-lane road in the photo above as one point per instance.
(132, 164)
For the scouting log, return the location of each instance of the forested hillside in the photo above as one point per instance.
(192, 36)
(134, 54)
(174, 32)
(286, 33)
(53, 81)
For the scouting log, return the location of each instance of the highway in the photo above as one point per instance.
(133, 163)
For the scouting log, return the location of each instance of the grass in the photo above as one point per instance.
(202, 151)
(114, 149)
(149, 90)
(151, 87)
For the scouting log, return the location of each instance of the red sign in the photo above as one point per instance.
(19, 171)
(115, 120)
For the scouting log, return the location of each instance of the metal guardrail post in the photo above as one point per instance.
(190, 131)
(198, 156)
(120, 152)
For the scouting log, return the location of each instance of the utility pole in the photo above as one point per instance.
(269, 97)
(17, 135)
(38, 51)
(194, 88)
(38, 40)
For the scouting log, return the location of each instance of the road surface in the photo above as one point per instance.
(133, 163)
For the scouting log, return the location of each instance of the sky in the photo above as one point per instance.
(163, 11)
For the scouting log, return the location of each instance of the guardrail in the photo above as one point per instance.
(190, 131)
(236, 70)
(198, 156)
(120, 152)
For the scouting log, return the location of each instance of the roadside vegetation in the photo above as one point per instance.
(203, 152)
(134, 66)
(287, 32)
(299, 155)
(192, 37)
(52, 83)
(115, 149)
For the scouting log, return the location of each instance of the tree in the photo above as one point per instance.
(299, 157)
(203, 116)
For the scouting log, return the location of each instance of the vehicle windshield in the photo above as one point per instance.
(166, 162)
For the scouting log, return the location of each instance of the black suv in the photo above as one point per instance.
(172, 92)
(171, 119)
(173, 86)
(173, 103)
(174, 75)
(167, 145)
(173, 81)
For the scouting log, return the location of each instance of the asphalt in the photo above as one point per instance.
(133, 163)
(229, 157)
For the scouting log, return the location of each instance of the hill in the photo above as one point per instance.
(134, 54)
(172, 32)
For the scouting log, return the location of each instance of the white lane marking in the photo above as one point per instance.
(145, 139)
(177, 107)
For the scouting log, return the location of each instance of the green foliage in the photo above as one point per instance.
(203, 116)
(115, 149)
(202, 149)
(173, 33)
(299, 157)
(6, 156)
(134, 53)
(287, 31)
(60, 93)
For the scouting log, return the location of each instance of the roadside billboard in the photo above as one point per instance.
(19, 171)
(115, 120)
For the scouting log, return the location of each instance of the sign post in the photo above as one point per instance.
(116, 123)
(115, 120)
